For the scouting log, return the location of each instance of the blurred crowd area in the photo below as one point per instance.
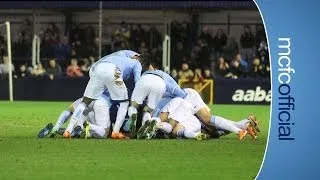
(204, 54)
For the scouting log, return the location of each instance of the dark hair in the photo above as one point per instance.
(145, 60)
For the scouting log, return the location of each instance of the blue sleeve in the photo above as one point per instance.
(173, 87)
(164, 101)
(137, 71)
(178, 92)
(171, 80)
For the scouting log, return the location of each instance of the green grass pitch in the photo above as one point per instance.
(23, 156)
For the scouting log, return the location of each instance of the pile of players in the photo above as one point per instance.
(127, 97)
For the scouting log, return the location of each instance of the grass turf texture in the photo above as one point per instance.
(23, 156)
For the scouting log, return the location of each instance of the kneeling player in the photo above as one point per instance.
(110, 72)
(180, 114)
(177, 117)
(63, 118)
(202, 110)
(97, 114)
(95, 123)
(153, 85)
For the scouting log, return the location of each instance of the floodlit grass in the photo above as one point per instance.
(23, 156)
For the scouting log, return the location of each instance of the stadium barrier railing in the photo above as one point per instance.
(217, 91)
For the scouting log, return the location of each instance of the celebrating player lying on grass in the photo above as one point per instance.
(153, 85)
(173, 90)
(183, 122)
(200, 109)
(98, 117)
(97, 114)
(203, 113)
(109, 73)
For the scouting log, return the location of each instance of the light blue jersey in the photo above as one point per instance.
(128, 67)
(125, 53)
(161, 104)
(172, 88)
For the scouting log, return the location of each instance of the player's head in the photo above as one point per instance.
(131, 54)
(136, 56)
(146, 62)
(127, 53)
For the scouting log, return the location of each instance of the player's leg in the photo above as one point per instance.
(94, 90)
(168, 112)
(76, 116)
(165, 127)
(63, 117)
(78, 130)
(118, 92)
(150, 126)
(195, 99)
(146, 117)
(193, 125)
(200, 107)
(96, 128)
(92, 130)
(157, 91)
(139, 94)
(96, 131)
(176, 113)
(190, 128)
(102, 119)
(222, 123)
(121, 114)
(190, 124)
(181, 132)
(203, 112)
(250, 124)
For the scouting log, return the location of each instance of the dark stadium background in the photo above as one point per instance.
(61, 25)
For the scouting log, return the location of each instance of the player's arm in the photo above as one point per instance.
(177, 126)
(178, 92)
(160, 106)
(174, 88)
(137, 69)
(170, 107)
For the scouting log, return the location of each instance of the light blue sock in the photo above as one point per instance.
(180, 132)
(224, 124)
(126, 125)
(213, 119)
(75, 116)
(64, 116)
